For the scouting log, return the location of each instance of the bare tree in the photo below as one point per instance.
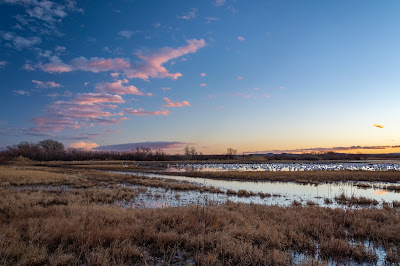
(230, 153)
(190, 152)
(51, 146)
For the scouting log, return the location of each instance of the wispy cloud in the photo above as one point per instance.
(82, 145)
(203, 84)
(3, 64)
(189, 15)
(91, 98)
(378, 126)
(46, 84)
(211, 19)
(165, 89)
(40, 18)
(85, 109)
(126, 33)
(142, 112)
(54, 66)
(241, 38)
(220, 2)
(21, 92)
(118, 88)
(175, 104)
(152, 63)
(267, 95)
(19, 42)
(53, 124)
(153, 145)
(239, 78)
(203, 74)
(94, 64)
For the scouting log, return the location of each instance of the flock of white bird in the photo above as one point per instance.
(293, 167)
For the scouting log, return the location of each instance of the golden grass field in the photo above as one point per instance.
(86, 224)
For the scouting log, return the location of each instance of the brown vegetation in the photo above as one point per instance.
(306, 177)
(50, 227)
(84, 223)
(342, 199)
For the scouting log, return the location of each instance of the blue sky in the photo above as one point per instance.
(252, 75)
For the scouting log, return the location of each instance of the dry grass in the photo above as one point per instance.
(307, 177)
(67, 228)
(12, 176)
(342, 199)
(85, 224)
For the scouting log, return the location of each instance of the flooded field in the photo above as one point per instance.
(352, 166)
(278, 193)
(149, 216)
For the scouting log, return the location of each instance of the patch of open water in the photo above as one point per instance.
(285, 192)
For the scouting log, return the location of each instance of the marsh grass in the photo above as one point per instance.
(74, 228)
(85, 224)
(12, 176)
(344, 200)
(302, 177)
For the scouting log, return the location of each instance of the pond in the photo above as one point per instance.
(281, 193)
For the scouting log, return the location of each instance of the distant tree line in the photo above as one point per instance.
(51, 150)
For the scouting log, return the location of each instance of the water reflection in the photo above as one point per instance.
(285, 192)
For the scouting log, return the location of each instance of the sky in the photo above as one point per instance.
(256, 76)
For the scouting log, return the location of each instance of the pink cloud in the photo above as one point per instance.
(111, 106)
(90, 98)
(83, 145)
(55, 67)
(21, 92)
(53, 124)
(175, 104)
(203, 74)
(267, 95)
(118, 87)
(239, 78)
(102, 121)
(241, 38)
(149, 94)
(143, 112)
(203, 84)
(165, 89)
(152, 64)
(46, 84)
(78, 110)
(96, 64)
(114, 75)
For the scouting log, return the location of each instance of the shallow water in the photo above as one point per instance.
(287, 191)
